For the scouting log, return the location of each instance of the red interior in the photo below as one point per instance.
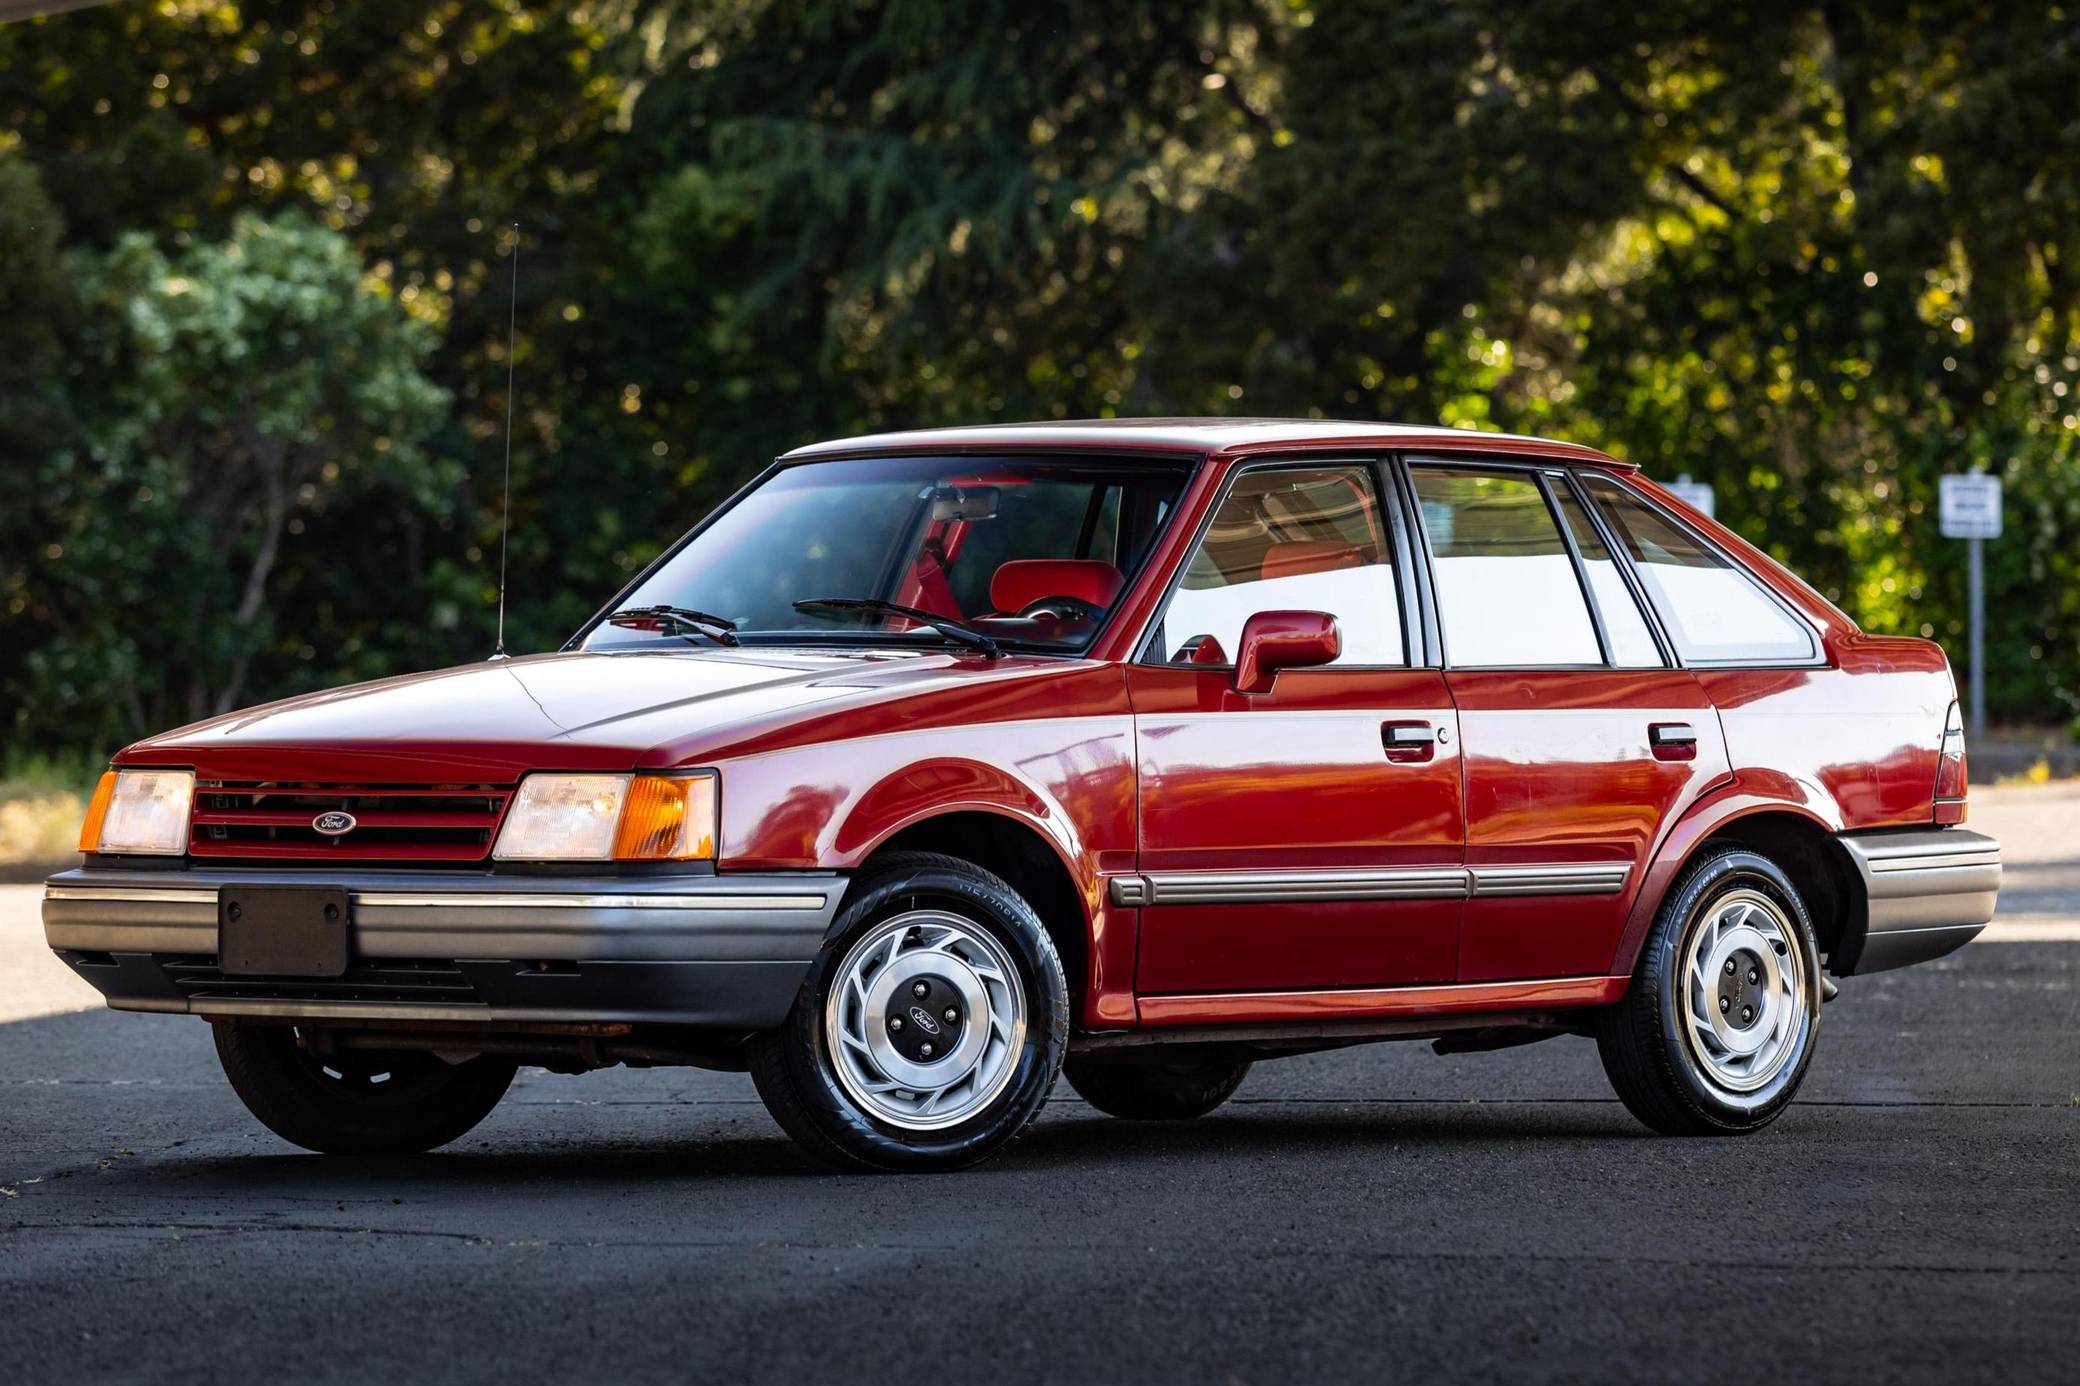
(1023, 581)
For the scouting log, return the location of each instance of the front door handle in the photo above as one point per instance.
(1672, 740)
(1408, 741)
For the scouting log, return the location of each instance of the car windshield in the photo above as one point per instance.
(1031, 552)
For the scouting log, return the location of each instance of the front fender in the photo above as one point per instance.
(1069, 780)
(934, 788)
(827, 807)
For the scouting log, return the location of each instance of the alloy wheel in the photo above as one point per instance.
(1744, 1000)
(925, 1020)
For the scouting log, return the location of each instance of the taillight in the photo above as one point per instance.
(1951, 780)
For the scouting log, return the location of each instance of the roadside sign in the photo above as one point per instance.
(1696, 494)
(1971, 506)
(1970, 510)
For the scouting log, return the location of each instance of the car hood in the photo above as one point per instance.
(494, 721)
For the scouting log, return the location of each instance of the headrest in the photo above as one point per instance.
(1023, 581)
(1314, 556)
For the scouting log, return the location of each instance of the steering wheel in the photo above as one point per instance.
(1062, 608)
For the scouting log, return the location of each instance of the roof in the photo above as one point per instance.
(1225, 437)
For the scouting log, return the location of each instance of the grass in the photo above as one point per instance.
(2038, 773)
(42, 799)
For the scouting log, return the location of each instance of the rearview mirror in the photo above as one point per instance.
(964, 503)
(1275, 640)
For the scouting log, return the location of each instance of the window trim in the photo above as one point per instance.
(1566, 479)
(1816, 658)
(1386, 488)
(1544, 479)
(1536, 468)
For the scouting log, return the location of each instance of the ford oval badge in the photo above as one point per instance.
(334, 824)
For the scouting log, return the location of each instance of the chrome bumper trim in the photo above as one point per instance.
(1926, 892)
(1412, 883)
(718, 901)
(779, 917)
(133, 897)
(578, 900)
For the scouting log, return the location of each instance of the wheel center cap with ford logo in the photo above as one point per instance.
(335, 823)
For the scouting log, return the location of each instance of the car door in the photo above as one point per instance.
(1307, 837)
(1581, 740)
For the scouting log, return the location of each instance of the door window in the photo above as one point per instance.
(1715, 613)
(1507, 594)
(1291, 539)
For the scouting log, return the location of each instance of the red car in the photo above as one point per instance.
(933, 764)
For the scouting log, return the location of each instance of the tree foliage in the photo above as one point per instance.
(242, 388)
(1814, 254)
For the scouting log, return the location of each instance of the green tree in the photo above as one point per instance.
(38, 429)
(247, 385)
(1814, 254)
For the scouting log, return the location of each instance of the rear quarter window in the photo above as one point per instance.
(1715, 611)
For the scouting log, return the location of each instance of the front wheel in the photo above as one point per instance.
(358, 1102)
(929, 1032)
(1715, 1034)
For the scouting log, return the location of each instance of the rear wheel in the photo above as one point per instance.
(1715, 1034)
(1156, 1089)
(357, 1102)
(929, 1033)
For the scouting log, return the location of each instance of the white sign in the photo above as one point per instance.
(1971, 506)
(1695, 494)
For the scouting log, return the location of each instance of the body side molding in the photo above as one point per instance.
(1408, 883)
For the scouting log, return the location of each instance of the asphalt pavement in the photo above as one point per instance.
(1381, 1213)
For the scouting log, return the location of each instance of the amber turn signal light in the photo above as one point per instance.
(97, 809)
(668, 818)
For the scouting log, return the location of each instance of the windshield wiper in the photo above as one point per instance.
(719, 629)
(946, 626)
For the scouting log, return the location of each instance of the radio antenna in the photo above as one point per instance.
(505, 500)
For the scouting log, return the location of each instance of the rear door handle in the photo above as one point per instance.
(1672, 740)
(1408, 741)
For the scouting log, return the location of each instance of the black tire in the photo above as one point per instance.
(360, 1102)
(793, 1066)
(1654, 1061)
(1167, 1089)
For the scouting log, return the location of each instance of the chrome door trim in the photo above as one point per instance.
(1569, 878)
(1278, 887)
(1407, 883)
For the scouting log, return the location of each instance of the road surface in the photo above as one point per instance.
(1380, 1214)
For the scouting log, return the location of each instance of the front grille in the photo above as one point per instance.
(400, 982)
(268, 820)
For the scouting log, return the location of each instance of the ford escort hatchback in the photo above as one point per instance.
(934, 764)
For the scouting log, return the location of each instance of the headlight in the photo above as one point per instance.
(140, 812)
(610, 818)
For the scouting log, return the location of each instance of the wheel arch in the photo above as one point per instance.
(1816, 863)
(1031, 862)
(1797, 838)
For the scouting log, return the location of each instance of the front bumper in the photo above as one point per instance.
(724, 950)
(1926, 892)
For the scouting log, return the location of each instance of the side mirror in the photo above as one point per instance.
(1275, 640)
